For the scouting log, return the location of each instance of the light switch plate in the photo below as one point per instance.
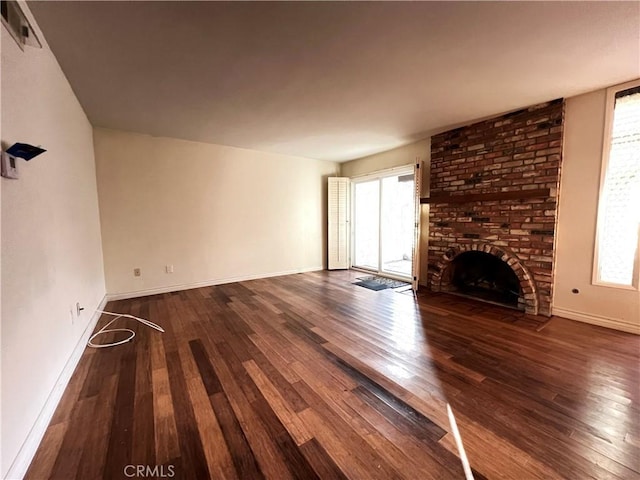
(9, 166)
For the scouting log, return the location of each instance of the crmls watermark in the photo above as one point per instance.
(148, 471)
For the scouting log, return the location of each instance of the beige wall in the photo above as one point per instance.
(51, 247)
(580, 184)
(215, 213)
(397, 157)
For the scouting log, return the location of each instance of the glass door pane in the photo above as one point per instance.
(397, 227)
(366, 249)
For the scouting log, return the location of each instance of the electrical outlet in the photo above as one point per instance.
(168, 268)
(136, 272)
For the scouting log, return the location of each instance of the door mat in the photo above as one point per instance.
(376, 283)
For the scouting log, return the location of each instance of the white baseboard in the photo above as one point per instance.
(599, 320)
(21, 463)
(206, 283)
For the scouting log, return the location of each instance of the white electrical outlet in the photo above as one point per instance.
(168, 268)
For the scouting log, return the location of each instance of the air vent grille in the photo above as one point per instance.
(15, 21)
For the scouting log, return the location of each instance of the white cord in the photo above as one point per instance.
(106, 329)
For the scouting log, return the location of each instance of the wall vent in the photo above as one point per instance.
(15, 21)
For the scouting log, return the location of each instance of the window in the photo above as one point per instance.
(617, 244)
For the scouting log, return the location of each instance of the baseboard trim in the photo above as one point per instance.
(206, 283)
(21, 463)
(599, 320)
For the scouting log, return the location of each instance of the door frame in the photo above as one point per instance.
(379, 175)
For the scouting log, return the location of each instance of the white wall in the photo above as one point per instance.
(51, 247)
(580, 184)
(215, 213)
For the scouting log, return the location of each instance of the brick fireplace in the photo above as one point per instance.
(494, 190)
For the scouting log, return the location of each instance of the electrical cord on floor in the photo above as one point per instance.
(106, 329)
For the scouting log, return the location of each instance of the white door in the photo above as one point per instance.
(338, 223)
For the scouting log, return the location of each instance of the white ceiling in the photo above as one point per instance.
(330, 80)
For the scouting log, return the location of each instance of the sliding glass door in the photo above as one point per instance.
(366, 235)
(397, 224)
(384, 223)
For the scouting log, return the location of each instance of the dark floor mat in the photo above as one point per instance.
(373, 282)
(371, 285)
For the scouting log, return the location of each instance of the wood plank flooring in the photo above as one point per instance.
(308, 376)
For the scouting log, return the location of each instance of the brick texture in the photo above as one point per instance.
(515, 152)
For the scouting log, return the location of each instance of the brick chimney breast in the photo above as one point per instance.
(493, 188)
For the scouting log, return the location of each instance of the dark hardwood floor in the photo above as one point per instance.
(308, 376)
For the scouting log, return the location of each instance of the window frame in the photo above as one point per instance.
(606, 152)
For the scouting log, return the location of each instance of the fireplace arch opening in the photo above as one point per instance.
(485, 277)
(504, 272)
